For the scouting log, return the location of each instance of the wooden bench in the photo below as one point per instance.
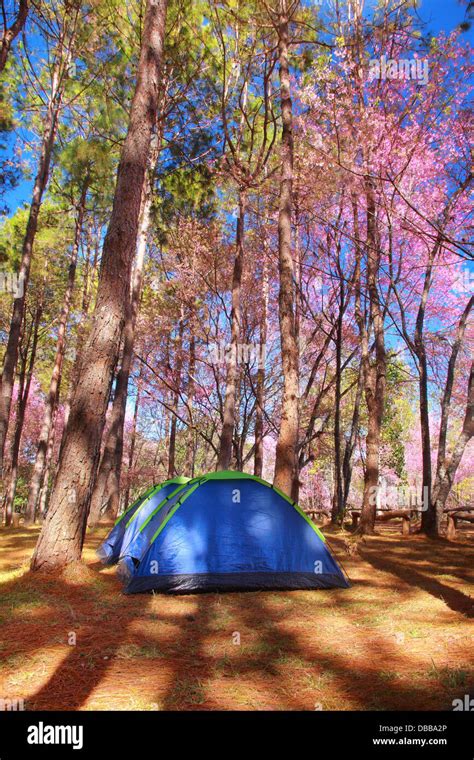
(406, 516)
(317, 513)
(456, 514)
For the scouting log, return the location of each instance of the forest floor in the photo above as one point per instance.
(400, 638)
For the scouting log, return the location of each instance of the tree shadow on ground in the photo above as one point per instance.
(274, 645)
(89, 615)
(193, 666)
(296, 649)
(406, 570)
(245, 648)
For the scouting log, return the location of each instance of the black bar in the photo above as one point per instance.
(137, 734)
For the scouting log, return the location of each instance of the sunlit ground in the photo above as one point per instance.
(400, 638)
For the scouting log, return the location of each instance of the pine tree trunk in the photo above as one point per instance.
(133, 436)
(375, 376)
(13, 31)
(260, 389)
(43, 496)
(337, 505)
(11, 480)
(82, 329)
(225, 445)
(62, 536)
(286, 454)
(11, 353)
(447, 470)
(175, 400)
(238, 442)
(371, 477)
(428, 517)
(172, 442)
(23, 394)
(295, 485)
(114, 500)
(350, 443)
(188, 469)
(107, 484)
(53, 394)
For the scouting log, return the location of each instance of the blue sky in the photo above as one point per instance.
(443, 14)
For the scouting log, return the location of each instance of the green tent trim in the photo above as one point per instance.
(142, 497)
(181, 480)
(182, 483)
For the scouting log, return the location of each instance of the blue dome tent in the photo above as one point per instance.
(228, 531)
(129, 524)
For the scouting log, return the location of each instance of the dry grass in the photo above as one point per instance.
(400, 638)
